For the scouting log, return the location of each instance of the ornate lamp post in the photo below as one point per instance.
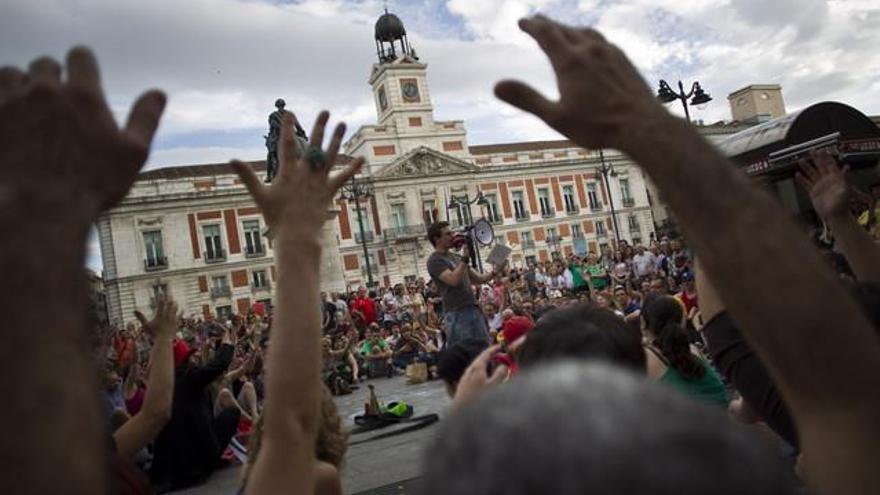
(667, 95)
(465, 200)
(606, 169)
(356, 190)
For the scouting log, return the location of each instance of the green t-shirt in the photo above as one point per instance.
(708, 389)
(367, 348)
(598, 276)
(577, 276)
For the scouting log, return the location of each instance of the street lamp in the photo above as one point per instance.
(667, 95)
(355, 190)
(465, 200)
(606, 169)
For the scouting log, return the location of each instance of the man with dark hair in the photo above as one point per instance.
(583, 331)
(547, 435)
(452, 277)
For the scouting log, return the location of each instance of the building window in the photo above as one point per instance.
(259, 280)
(398, 215)
(213, 244)
(155, 254)
(600, 228)
(568, 198)
(633, 223)
(461, 212)
(531, 260)
(492, 208)
(576, 231)
(362, 216)
(527, 241)
(429, 211)
(220, 286)
(252, 239)
(544, 200)
(593, 196)
(625, 194)
(551, 233)
(519, 206)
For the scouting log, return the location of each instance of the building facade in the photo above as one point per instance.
(194, 233)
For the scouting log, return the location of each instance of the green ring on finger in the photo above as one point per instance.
(316, 157)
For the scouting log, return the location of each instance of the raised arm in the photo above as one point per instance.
(825, 181)
(143, 427)
(63, 160)
(295, 207)
(750, 253)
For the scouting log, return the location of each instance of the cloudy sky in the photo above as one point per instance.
(223, 62)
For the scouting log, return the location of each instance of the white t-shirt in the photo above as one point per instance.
(644, 264)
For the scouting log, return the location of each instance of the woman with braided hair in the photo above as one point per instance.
(670, 359)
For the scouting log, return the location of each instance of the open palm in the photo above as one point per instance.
(825, 181)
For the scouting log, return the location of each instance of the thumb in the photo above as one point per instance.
(525, 98)
(141, 318)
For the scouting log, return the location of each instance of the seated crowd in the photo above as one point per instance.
(610, 372)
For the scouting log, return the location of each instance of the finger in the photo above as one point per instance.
(82, 70)
(803, 181)
(809, 169)
(549, 36)
(141, 318)
(144, 117)
(341, 178)
(250, 180)
(482, 360)
(318, 130)
(499, 375)
(287, 151)
(333, 147)
(11, 81)
(526, 98)
(45, 70)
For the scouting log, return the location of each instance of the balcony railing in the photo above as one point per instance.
(366, 237)
(495, 220)
(601, 234)
(522, 218)
(554, 239)
(634, 227)
(254, 251)
(214, 257)
(549, 213)
(528, 244)
(595, 207)
(577, 235)
(572, 210)
(155, 264)
(629, 202)
(265, 286)
(224, 291)
(405, 232)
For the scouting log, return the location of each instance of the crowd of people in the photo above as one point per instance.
(617, 371)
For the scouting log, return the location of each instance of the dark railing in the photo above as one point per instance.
(254, 251)
(369, 236)
(548, 213)
(528, 244)
(572, 210)
(629, 202)
(224, 291)
(601, 233)
(522, 218)
(264, 286)
(595, 207)
(155, 264)
(406, 231)
(495, 220)
(215, 257)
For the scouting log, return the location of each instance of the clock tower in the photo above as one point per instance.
(404, 113)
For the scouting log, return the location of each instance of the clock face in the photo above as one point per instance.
(410, 90)
(383, 100)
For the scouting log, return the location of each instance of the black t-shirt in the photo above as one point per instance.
(329, 312)
(741, 367)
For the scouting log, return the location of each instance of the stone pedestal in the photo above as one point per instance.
(332, 279)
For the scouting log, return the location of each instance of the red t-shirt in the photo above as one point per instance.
(689, 301)
(367, 307)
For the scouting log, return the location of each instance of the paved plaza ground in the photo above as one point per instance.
(385, 466)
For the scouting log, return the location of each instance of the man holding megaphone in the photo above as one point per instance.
(453, 277)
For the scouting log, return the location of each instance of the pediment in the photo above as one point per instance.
(425, 162)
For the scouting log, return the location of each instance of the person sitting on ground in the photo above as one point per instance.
(670, 359)
(378, 355)
(190, 446)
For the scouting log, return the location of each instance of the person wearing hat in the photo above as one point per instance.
(190, 446)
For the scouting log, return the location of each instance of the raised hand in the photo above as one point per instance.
(826, 183)
(297, 201)
(165, 318)
(477, 378)
(602, 97)
(60, 149)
